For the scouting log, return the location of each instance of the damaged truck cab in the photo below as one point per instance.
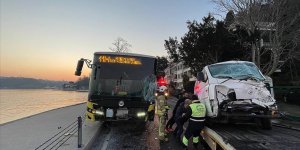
(235, 91)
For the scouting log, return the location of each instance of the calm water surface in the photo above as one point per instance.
(16, 104)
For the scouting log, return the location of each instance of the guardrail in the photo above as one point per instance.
(214, 140)
(60, 138)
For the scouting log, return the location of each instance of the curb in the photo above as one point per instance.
(290, 117)
(90, 143)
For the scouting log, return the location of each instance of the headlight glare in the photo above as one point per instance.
(98, 112)
(141, 114)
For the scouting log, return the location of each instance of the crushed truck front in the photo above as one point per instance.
(235, 90)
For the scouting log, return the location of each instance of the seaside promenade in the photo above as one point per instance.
(31, 132)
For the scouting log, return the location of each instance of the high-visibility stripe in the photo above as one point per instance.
(197, 120)
(151, 107)
(185, 141)
(196, 139)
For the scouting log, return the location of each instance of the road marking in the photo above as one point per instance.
(107, 138)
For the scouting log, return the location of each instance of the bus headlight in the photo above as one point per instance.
(98, 112)
(141, 114)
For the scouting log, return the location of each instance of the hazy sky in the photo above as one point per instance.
(45, 38)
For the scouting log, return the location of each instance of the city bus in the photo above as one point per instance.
(122, 86)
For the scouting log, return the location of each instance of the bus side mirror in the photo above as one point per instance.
(200, 76)
(79, 67)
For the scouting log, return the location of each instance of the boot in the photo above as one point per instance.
(195, 145)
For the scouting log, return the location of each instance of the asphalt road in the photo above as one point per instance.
(131, 135)
(250, 136)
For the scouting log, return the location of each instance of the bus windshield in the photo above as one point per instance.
(121, 75)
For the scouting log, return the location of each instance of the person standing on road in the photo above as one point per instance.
(179, 113)
(196, 113)
(162, 110)
(171, 121)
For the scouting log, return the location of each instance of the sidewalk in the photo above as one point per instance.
(31, 132)
(291, 109)
(290, 115)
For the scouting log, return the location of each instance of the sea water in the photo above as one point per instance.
(17, 104)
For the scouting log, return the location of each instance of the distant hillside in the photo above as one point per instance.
(28, 83)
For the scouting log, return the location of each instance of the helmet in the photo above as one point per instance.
(162, 88)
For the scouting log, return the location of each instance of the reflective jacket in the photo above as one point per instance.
(195, 112)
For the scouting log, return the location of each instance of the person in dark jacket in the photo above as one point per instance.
(179, 113)
(180, 94)
(171, 121)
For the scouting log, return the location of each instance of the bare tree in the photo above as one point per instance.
(120, 46)
(278, 24)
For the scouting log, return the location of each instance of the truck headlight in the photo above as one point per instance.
(274, 107)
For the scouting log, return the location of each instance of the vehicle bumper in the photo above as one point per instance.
(252, 115)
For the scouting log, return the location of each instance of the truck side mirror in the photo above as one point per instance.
(79, 67)
(200, 76)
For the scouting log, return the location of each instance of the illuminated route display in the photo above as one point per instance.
(119, 60)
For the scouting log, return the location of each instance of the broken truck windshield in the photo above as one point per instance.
(239, 71)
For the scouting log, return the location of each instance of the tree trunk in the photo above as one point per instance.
(274, 62)
(258, 57)
(253, 52)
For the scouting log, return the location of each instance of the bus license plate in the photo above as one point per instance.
(122, 112)
(109, 113)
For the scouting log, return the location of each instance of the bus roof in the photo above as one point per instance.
(124, 54)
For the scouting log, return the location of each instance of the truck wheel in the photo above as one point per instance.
(266, 123)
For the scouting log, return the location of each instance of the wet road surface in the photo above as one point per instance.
(250, 136)
(124, 135)
(135, 136)
(129, 135)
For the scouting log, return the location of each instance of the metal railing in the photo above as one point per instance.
(60, 138)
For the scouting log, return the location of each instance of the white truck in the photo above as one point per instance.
(235, 91)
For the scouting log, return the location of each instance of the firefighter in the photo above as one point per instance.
(196, 113)
(162, 112)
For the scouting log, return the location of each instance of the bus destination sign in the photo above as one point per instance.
(119, 60)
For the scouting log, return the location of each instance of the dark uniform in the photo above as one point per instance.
(196, 114)
(172, 120)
